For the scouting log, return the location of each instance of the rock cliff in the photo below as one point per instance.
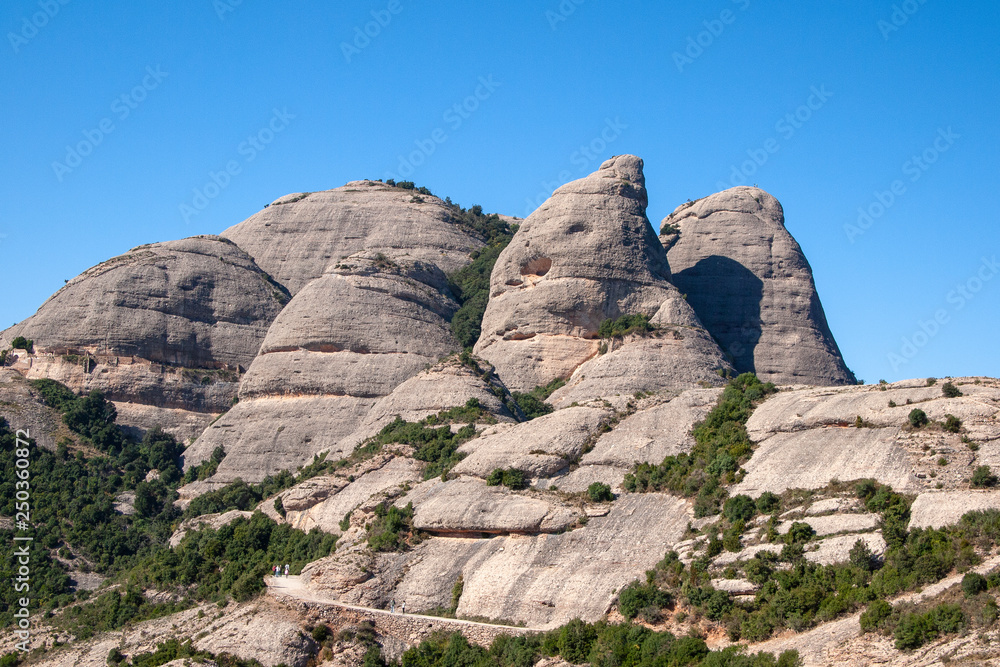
(299, 236)
(346, 340)
(752, 287)
(587, 255)
(164, 330)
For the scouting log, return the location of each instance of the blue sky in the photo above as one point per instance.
(116, 118)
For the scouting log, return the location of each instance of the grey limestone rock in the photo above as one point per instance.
(752, 287)
(300, 236)
(586, 255)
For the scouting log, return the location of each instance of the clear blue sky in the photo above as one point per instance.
(201, 77)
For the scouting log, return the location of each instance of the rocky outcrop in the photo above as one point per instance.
(346, 340)
(863, 431)
(166, 326)
(542, 447)
(586, 255)
(445, 385)
(752, 287)
(200, 302)
(546, 580)
(943, 508)
(467, 506)
(299, 237)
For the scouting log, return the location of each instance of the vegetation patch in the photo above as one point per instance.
(721, 445)
(625, 325)
(598, 644)
(532, 403)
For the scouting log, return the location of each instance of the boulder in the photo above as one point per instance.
(752, 288)
(546, 580)
(298, 237)
(586, 255)
(199, 302)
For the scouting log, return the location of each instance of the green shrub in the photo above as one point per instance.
(512, 478)
(389, 529)
(917, 418)
(877, 617)
(799, 533)
(636, 596)
(320, 633)
(625, 325)
(952, 424)
(533, 403)
(983, 477)
(973, 584)
(861, 556)
(739, 508)
(949, 390)
(768, 503)
(22, 343)
(600, 492)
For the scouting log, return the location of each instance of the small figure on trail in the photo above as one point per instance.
(277, 570)
(402, 609)
(286, 569)
(392, 607)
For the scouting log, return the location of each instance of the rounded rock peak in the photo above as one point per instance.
(740, 199)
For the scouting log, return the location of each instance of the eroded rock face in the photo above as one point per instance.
(752, 287)
(445, 385)
(199, 302)
(586, 255)
(541, 447)
(546, 580)
(166, 327)
(300, 236)
(346, 340)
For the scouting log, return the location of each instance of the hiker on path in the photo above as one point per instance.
(402, 609)
(286, 569)
(392, 607)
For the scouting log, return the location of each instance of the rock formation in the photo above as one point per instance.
(586, 255)
(166, 327)
(345, 340)
(299, 236)
(752, 287)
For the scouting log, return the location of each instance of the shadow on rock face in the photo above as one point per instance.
(726, 296)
